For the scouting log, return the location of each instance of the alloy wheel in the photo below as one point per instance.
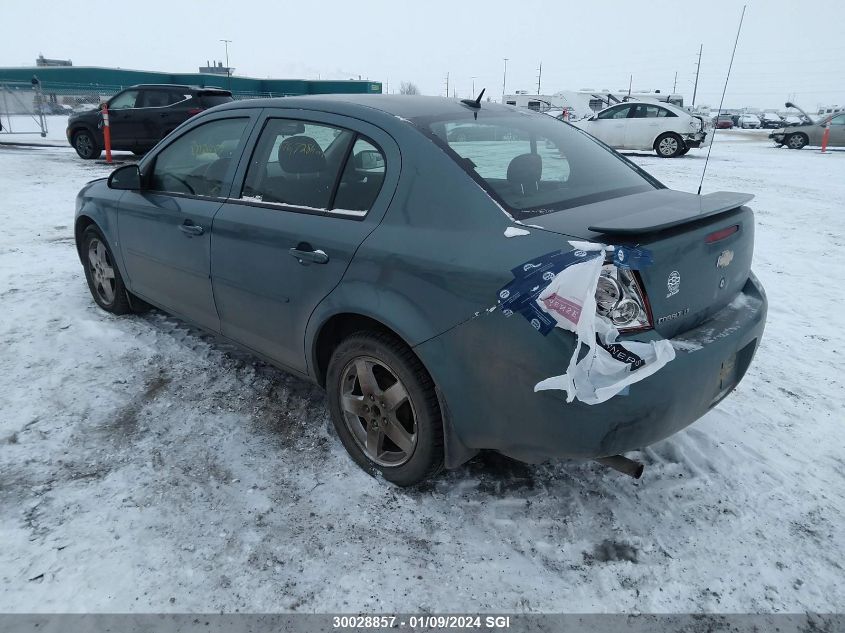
(378, 411)
(84, 145)
(668, 146)
(796, 141)
(102, 271)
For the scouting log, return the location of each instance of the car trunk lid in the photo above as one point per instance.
(701, 247)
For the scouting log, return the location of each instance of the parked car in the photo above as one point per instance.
(771, 120)
(140, 117)
(347, 240)
(662, 127)
(811, 133)
(724, 122)
(748, 121)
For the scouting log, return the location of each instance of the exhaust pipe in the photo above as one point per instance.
(623, 465)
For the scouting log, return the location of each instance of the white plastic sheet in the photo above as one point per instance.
(609, 366)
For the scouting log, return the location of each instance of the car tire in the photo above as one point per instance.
(796, 141)
(684, 151)
(103, 277)
(669, 145)
(86, 145)
(140, 152)
(384, 408)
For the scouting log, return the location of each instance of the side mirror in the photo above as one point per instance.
(126, 178)
(369, 159)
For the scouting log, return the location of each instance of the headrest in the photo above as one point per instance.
(301, 155)
(525, 169)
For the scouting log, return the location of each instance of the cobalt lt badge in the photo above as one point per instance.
(725, 259)
(673, 284)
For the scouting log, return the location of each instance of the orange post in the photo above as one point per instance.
(107, 132)
(825, 137)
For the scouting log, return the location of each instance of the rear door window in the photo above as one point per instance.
(297, 164)
(201, 161)
(153, 99)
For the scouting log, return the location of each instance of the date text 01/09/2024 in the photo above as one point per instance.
(421, 621)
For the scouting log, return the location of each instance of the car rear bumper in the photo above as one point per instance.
(486, 370)
(698, 139)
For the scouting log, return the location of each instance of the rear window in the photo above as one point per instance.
(211, 100)
(533, 164)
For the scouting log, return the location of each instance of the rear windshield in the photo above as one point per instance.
(211, 100)
(532, 163)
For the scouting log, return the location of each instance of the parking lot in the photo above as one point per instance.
(147, 467)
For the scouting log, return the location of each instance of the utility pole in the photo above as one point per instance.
(504, 78)
(675, 85)
(697, 70)
(473, 87)
(447, 85)
(539, 76)
(228, 71)
(630, 83)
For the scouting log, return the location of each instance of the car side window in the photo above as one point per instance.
(296, 163)
(174, 96)
(838, 120)
(361, 180)
(199, 162)
(153, 99)
(619, 112)
(124, 100)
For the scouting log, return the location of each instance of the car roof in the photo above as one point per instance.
(402, 106)
(178, 87)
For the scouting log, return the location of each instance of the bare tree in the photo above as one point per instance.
(408, 88)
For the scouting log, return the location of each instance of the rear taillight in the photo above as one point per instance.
(194, 111)
(721, 234)
(620, 298)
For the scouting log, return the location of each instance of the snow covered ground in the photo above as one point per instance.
(144, 467)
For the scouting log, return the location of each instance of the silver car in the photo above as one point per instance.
(810, 132)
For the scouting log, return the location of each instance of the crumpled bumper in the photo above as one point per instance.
(486, 368)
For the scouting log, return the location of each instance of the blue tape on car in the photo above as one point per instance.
(531, 278)
(553, 263)
(632, 257)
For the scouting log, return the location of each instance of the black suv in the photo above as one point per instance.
(140, 116)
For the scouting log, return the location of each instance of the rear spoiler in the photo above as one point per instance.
(666, 208)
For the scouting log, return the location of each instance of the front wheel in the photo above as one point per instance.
(104, 280)
(669, 145)
(683, 151)
(385, 409)
(86, 145)
(797, 141)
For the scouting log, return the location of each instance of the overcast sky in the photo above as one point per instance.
(788, 49)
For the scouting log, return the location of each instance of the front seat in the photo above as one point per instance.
(305, 181)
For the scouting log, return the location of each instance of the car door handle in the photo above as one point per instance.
(190, 229)
(305, 255)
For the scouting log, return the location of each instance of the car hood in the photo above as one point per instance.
(639, 213)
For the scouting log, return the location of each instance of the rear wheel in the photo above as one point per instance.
(86, 145)
(669, 145)
(384, 408)
(684, 151)
(797, 141)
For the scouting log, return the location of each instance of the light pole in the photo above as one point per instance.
(473, 86)
(504, 78)
(228, 72)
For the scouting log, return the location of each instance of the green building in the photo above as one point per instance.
(92, 81)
